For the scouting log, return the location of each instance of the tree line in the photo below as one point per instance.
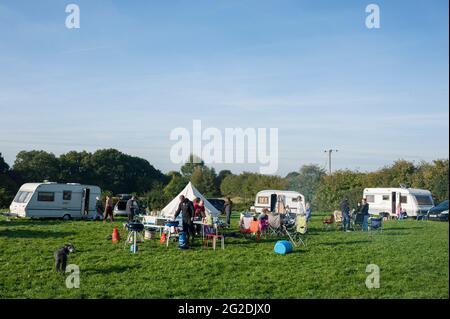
(116, 172)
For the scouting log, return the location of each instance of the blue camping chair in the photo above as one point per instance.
(376, 224)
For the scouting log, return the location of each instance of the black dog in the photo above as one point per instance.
(61, 257)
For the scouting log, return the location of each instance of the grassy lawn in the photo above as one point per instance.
(412, 255)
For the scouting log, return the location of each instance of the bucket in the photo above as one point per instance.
(182, 239)
(283, 247)
(148, 234)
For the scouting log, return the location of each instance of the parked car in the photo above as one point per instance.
(217, 203)
(121, 205)
(439, 212)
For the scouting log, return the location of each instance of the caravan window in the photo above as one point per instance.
(46, 196)
(424, 200)
(385, 197)
(22, 197)
(263, 200)
(370, 198)
(67, 195)
(404, 199)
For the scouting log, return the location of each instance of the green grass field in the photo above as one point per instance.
(412, 255)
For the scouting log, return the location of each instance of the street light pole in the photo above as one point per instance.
(329, 158)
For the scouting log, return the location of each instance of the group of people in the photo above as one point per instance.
(362, 208)
(195, 211)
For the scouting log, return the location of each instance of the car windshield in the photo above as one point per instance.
(424, 200)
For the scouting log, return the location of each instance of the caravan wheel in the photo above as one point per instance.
(67, 217)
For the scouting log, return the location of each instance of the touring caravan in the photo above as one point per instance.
(279, 201)
(53, 200)
(385, 200)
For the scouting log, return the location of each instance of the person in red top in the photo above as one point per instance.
(199, 212)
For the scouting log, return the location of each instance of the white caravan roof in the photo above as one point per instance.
(279, 192)
(31, 187)
(414, 191)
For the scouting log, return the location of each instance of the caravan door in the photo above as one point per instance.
(85, 202)
(273, 202)
(394, 203)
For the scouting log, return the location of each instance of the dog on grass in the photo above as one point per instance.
(61, 257)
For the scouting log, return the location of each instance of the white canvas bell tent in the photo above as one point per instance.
(192, 193)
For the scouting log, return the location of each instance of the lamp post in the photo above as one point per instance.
(329, 158)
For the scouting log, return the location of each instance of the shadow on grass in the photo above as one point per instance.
(353, 242)
(402, 228)
(30, 222)
(21, 233)
(109, 270)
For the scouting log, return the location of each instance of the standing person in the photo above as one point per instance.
(398, 210)
(199, 214)
(227, 210)
(99, 209)
(365, 213)
(108, 209)
(308, 212)
(130, 208)
(345, 209)
(187, 208)
(300, 207)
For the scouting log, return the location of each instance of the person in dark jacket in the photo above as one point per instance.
(345, 209)
(227, 210)
(187, 208)
(365, 212)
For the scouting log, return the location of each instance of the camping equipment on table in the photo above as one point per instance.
(283, 247)
(135, 230)
(327, 221)
(298, 231)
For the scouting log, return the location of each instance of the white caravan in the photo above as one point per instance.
(279, 201)
(385, 200)
(55, 200)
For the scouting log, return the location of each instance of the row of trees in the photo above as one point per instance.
(116, 172)
(110, 169)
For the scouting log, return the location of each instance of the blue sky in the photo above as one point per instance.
(137, 69)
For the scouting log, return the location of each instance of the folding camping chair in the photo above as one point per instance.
(274, 228)
(376, 224)
(338, 218)
(327, 222)
(357, 221)
(297, 233)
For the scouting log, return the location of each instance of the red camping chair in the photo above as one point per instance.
(328, 221)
